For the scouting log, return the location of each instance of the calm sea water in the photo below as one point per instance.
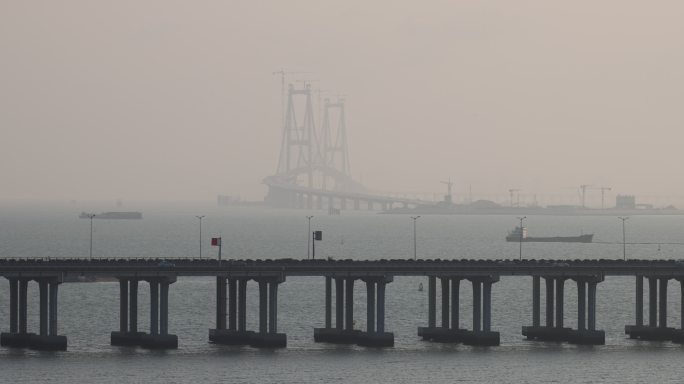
(88, 312)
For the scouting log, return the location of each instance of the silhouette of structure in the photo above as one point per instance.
(314, 166)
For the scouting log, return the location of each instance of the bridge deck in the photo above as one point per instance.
(292, 267)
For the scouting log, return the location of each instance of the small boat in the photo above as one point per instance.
(112, 215)
(520, 235)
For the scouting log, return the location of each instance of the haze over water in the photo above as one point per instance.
(88, 312)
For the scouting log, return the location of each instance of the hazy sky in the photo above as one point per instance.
(176, 99)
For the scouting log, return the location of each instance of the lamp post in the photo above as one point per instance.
(90, 216)
(308, 236)
(415, 245)
(200, 235)
(521, 233)
(624, 243)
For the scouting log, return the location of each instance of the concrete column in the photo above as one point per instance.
(339, 303)
(154, 307)
(349, 310)
(242, 305)
(445, 301)
(477, 305)
(328, 302)
(549, 301)
(455, 302)
(23, 305)
(232, 304)
(536, 299)
(652, 302)
(560, 293)
(432, 301)
(681, 315)
(581, 304)
(123, 305)
(663, 302)
(14, 305)
(52, 329)
(356, 204)
(273, 307)
(220, 302)
(343, 203)
(43, 289)
(133, 306)
(591, 323)
(164, 309)
(381, 307)
(331, 202)
(487, 306)
(639, 308)
(263, 307)
(370, 306)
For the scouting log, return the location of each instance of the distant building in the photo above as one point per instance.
(625, 202)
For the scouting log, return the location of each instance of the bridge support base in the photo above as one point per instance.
(336, 335)
(376, 339)
(15, 340)
(482, 338)
(268, 340)
(652, 333)
(544, 333)
(443, 335)
(167, 341)
(48, 343)
(126, 339)
(230, 337)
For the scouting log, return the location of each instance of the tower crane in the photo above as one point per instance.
(449, 184)
(583, 194)
(603, 194)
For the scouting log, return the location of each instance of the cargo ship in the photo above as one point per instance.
(520, 234)
(112, 215)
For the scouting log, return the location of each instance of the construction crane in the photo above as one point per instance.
(511, 191)
(603, 195)
(449, 184)
(583, 194)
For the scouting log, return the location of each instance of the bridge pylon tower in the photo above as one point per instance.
(334, 138)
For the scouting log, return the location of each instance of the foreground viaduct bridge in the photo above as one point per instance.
(339, 277)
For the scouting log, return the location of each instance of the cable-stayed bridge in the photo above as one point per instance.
(314, 168)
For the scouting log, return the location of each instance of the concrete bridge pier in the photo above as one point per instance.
(343, 332)
(268, 336)
(128, 334)
(657, 328)
(47, 339)
(235, 331)
(159, 337)
(481, 333)
(17, 337)
(375, 335)
(449, 331)
(554, 329)
(678, 334)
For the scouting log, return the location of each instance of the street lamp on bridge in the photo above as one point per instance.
(522, 231)
(308, 237)
(415, 246)
(624, 243)
(200, 235)
(90, 216)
